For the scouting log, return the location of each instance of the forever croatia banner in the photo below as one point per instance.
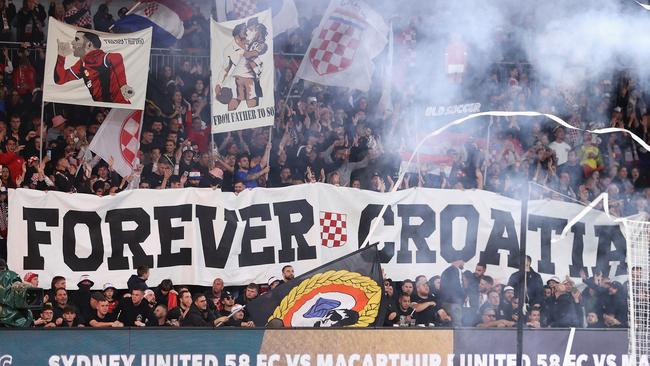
(193, 235)
(344, 293)
(87, 67)
(241, 56)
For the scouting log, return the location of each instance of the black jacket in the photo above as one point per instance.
(197, 318)
(129, 312)
(451, 286)
(135, 281)
(534, 284)
(563, 313)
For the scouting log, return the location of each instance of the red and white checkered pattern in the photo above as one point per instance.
(244, 8)
(333, 228)
(338, 45)
(409, 39)
(150, 9)
(130, 138)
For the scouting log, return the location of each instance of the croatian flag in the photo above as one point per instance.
(165, 16)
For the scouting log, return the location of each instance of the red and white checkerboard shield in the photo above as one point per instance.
(130, 137)
(333, 229)
(339, 41)
(244, 8)
(150, 8)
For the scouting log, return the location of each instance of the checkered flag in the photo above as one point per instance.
(118, 138)
(340, 53)
(333, 229)
(244, 8)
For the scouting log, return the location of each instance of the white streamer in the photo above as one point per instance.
(645, 6)
(569, 345)
(554, 118)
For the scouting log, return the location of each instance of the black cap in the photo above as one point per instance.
(226, 294)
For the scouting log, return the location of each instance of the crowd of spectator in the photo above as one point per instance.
(332, 135)
(457, 298)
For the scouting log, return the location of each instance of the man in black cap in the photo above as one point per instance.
(228, 301)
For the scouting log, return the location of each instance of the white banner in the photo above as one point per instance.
(241, 55)
(194, 235)
(87, 67)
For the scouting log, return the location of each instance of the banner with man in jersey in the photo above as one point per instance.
(86, 67)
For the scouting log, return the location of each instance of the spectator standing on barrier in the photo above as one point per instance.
(139, 279)
(534, 283)
(452, 292)
(135, 310)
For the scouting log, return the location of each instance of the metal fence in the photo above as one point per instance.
(175, 58)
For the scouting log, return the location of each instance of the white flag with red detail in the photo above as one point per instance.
(118, 138)
(349, 36)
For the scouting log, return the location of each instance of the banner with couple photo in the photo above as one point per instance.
(241, 56)
(194, 235)
(87, 67)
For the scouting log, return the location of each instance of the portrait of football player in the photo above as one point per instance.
(243, 68)
(103, 73)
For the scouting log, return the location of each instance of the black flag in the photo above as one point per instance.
(344, 293)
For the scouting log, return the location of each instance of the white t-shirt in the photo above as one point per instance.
(561, 151)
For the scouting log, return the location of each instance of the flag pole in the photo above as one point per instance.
(127, 13)
(40, 149)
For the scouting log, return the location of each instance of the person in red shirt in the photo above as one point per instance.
(103, 73)
(195, 132)
(24, 76)
(13, 161)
